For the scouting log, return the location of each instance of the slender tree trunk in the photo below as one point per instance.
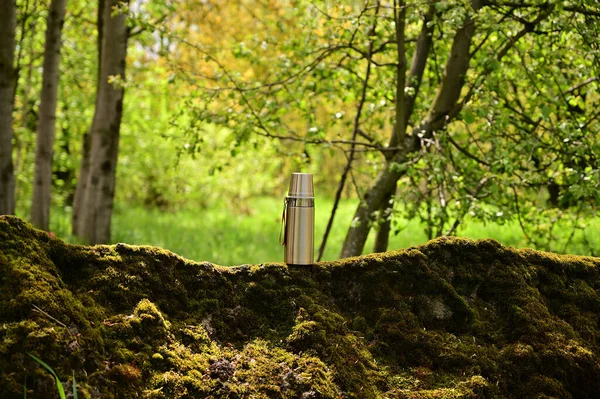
(84, 169)
(97, 203)
(42, 183)
(383, 233)
(444, 102)
(417, 68)
(355, 130)
(401, 116)
(27, 107)
(80, 189)
(26, 30)
(400, 107)
(378, 192)
(7, 85)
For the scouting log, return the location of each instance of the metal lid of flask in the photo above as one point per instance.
(301, 186)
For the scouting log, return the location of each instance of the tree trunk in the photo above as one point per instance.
(80, 189)
(383, 233)
(26, 102)
(84, 169)
(399, 131)
(444, 102)
(361, 223)
(42, 183)
(97, 203)
(7, 85)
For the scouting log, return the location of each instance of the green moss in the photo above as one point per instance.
(454, 318)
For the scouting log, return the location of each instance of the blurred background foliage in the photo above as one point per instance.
(224, 100)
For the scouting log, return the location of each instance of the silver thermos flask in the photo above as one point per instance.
(298, 221)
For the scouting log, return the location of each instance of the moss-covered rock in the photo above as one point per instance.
(454, 318)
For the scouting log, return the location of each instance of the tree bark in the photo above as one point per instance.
(399, 130)
(42, 183)
(419, 61)
(382, 237)
(96, 206)
(84, 169)
(445, 100)
(80, 189)
(417, 68)
(361, 223)
(7, 85)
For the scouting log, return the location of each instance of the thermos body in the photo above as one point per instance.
(299, 221)
(299, 234)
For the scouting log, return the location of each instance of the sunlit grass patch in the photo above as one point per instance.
(225, 235)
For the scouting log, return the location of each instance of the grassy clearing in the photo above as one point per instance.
(229, 238)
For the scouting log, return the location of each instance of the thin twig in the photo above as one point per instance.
(458, 221)
(37, 309)
(467, 153)
(527, 237)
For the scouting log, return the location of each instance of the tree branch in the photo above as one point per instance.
(582, 84)
(418, 63)
(510, 43)
(399, 130)
(467, 153)
(451, 85)
(516, 199)
(583, 10)
(475, 195)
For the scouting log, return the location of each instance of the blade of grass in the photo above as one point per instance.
(74, 387)
(59, 386)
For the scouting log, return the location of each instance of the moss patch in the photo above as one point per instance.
(454, 318)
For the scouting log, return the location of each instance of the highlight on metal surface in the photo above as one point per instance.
(298, 221)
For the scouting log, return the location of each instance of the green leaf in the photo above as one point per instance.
(59, 385)
(468, 117)
(546, 111)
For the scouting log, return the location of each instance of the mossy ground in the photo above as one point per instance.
(451, 319)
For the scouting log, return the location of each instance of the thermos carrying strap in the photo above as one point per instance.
(302, 202)
(282, 230)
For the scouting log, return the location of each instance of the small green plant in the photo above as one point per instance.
(59, 385)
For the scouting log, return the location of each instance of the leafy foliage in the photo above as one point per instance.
(516, 146)
(217, 90)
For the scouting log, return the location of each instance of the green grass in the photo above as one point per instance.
(59, 386)
(225, 237)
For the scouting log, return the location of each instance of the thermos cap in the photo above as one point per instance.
(301, 185)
